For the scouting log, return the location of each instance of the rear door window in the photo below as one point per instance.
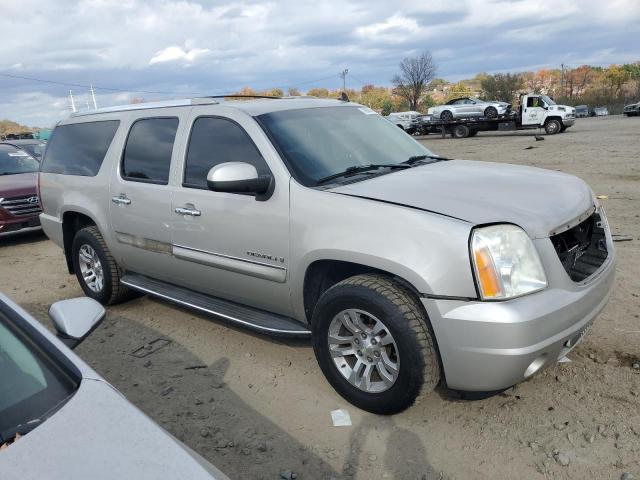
(79, 148)
(214, 141)
(147, 153)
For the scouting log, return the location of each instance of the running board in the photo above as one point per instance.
(252, 318)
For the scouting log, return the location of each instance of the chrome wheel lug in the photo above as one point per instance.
(359, 353)
(374, 341)
(369, 359)
(364, 335)
(376, 353)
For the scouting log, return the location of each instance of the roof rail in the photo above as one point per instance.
(208, 100)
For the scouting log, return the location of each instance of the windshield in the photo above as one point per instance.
(13, 161)
(320, 142)
(31, 383)
(35, 149)
(547, 100)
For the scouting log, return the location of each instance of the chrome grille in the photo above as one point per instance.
(21, 206)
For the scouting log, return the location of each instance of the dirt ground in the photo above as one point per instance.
(260, 408)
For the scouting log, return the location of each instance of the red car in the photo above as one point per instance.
(19, 203)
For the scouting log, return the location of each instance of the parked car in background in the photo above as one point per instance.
(34, 147)
(60, 419)
(632, 110)
(582, 111)
(600, 112)
(469, 107)
(310, 217)
(19, 203)
(403, 119)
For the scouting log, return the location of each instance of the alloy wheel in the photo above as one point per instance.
(363, 350)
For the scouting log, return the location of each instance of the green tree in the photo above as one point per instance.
(502, 86)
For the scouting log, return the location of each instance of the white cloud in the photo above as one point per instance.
(173, 53)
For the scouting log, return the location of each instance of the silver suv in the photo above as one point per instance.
(319, 218)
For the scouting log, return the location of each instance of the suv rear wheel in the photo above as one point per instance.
(96, 270)
(374, 344)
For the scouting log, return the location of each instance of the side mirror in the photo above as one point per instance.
(75, 319)
(238, 177)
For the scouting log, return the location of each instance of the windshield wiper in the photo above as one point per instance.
(360, 169)
(419, 158)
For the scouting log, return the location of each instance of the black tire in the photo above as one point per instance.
(446, 116)
(400, 127)
(112, 290)
(473, 133)
(552, 126)
(491, 112)
(563, 128)
(402, 315)
(460, 131)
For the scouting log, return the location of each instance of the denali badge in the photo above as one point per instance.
(266, 257)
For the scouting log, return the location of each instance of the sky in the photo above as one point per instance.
(180, 48)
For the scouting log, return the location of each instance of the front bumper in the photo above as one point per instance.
(19, 224)
(567, 122)
(487, 346)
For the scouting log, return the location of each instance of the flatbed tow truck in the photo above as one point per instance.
(535, 111)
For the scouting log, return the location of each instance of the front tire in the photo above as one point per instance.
(374, 344)
(491, 112)
(552, 126)
(97, 271)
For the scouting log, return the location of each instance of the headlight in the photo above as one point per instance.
(505, 262)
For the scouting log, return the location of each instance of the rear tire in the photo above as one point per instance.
(460, 131)
(552, 126)
(97, 271)
(375, 303)
(446, 116)
(473, 133)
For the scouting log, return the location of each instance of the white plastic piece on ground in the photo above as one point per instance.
(340, 418)
(564, 360)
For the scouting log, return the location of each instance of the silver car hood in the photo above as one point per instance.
(482, 192)
(98, 434)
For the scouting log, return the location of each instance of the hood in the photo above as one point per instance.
(18, 185)
(98, 434)
(482, 192)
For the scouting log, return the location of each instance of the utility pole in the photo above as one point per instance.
(562, 78)
(343, 74)
(93, 96)
(73, 103)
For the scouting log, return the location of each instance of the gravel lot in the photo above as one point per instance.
(260, 408)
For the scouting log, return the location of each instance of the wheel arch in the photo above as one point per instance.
(322, 274)
(72, 222)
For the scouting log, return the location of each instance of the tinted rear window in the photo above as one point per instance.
(79, 149)
(147, 154)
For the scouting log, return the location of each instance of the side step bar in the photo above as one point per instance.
(252, 318)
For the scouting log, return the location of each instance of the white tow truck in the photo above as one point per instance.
(534, 111)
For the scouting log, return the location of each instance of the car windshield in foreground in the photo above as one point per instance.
(31, 383)
(14, 161)
(35, 149)
(334, 143)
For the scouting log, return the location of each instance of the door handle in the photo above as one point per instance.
(121, 200)
(191, 212)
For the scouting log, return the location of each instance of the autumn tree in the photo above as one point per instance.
(459, 90)
(415, 74)
(318, 92)
(293, 92)
(501, 86)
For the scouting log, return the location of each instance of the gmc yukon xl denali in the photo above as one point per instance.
(307, 217)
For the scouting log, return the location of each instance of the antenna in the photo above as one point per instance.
(73, 103)
(93, 97)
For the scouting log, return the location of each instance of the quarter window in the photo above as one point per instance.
(217, 140)
(79, 148)
(147, 153)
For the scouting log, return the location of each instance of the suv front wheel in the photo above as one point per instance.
(374, 344)
(96, 270)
